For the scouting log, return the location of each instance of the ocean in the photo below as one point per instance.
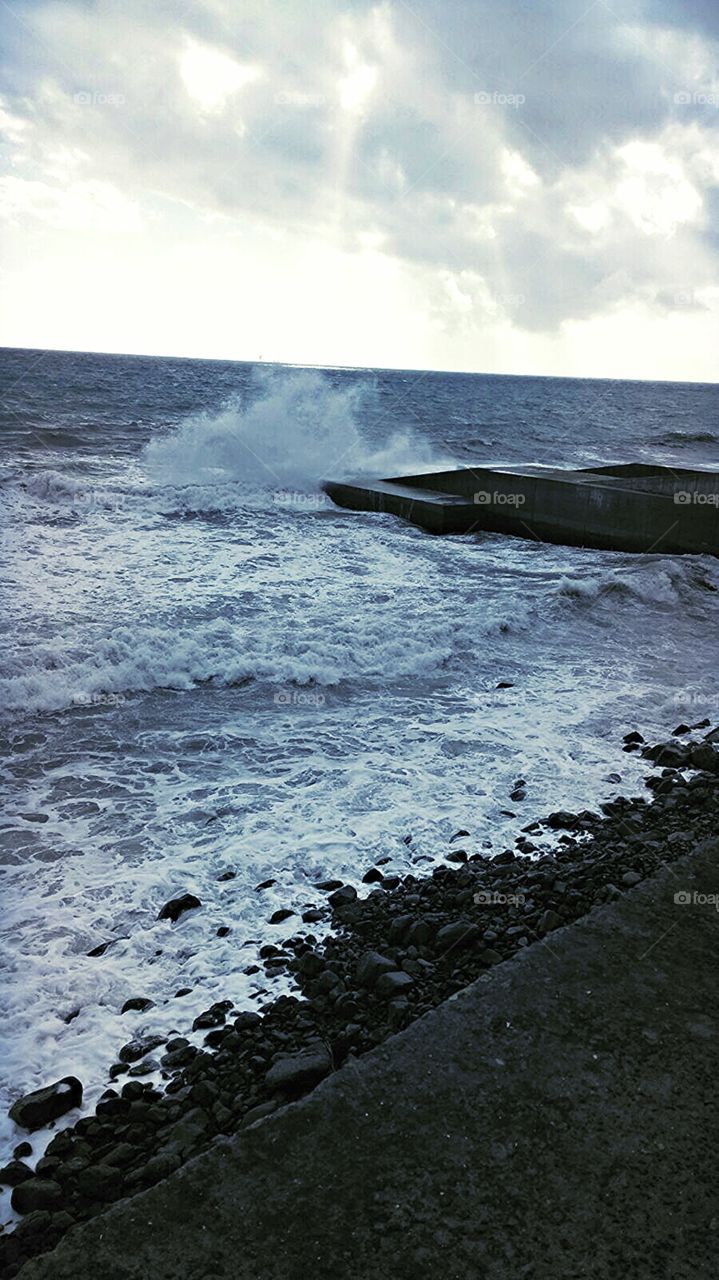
(208, 668)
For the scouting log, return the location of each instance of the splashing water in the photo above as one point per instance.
(297, 429)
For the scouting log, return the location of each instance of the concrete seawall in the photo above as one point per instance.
(626, 507)
(555, 1119)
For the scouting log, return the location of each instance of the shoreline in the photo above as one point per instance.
(397, 953)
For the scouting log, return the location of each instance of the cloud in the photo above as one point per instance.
(543, 163)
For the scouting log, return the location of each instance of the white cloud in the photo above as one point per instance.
(359, 129)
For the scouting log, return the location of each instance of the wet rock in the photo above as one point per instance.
(632, 737)
(136, 1049)
(631, 878)
(173, 909)
(264, 884)
(562, 820)
(373, 876)
(138, 1004)
(299, 1071)
(183, 991)
(312, 915)
(247, 1021)
(343, 896)
(223, 931)
(15, 1173)
(37, 1193)
(226, 875)
(278, 917)
(39, 1108)
(22, 1150)
(457, 855)
(328, 885)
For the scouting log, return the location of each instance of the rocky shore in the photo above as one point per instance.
(394, 954)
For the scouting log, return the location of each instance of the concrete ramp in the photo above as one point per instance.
(556, 1120)
(622, 507)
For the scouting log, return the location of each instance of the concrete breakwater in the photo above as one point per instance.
(622, 507)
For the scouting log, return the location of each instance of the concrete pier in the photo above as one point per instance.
(623, 507)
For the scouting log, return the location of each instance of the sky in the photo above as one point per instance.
(509, 186)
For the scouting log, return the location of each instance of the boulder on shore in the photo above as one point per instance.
(39, 1108)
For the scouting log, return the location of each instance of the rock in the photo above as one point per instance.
(14, 1173)
(182, 1136)
(226, 875)
(371, 966)
(39, 1108)
(37, 1193)
(100, 1182)
(22, 1149)
(519, 793)
(505, 684)
(501, 858)
(400, 926)
(391, 985)
(173, 909)
(137, 1003)
(633, 737)
(549, 920)
(223, 931)
(312, 915)
(259, 1112)
(457, 855)
(328, 885)
(631, 878)
(373, 876)
(278, 917)
(159, 1167)
(299, 1071)
(460, 933)
(343, 897)
(680, 731)
(183, 991)
(705, 756)
(136, 1049)
(264, 884)
(561, 820)
(247, 1021)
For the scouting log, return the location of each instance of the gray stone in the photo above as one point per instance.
(38, 1193)
(394, 984)
(371, 966)
(300, 1071)
(39, 1108)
